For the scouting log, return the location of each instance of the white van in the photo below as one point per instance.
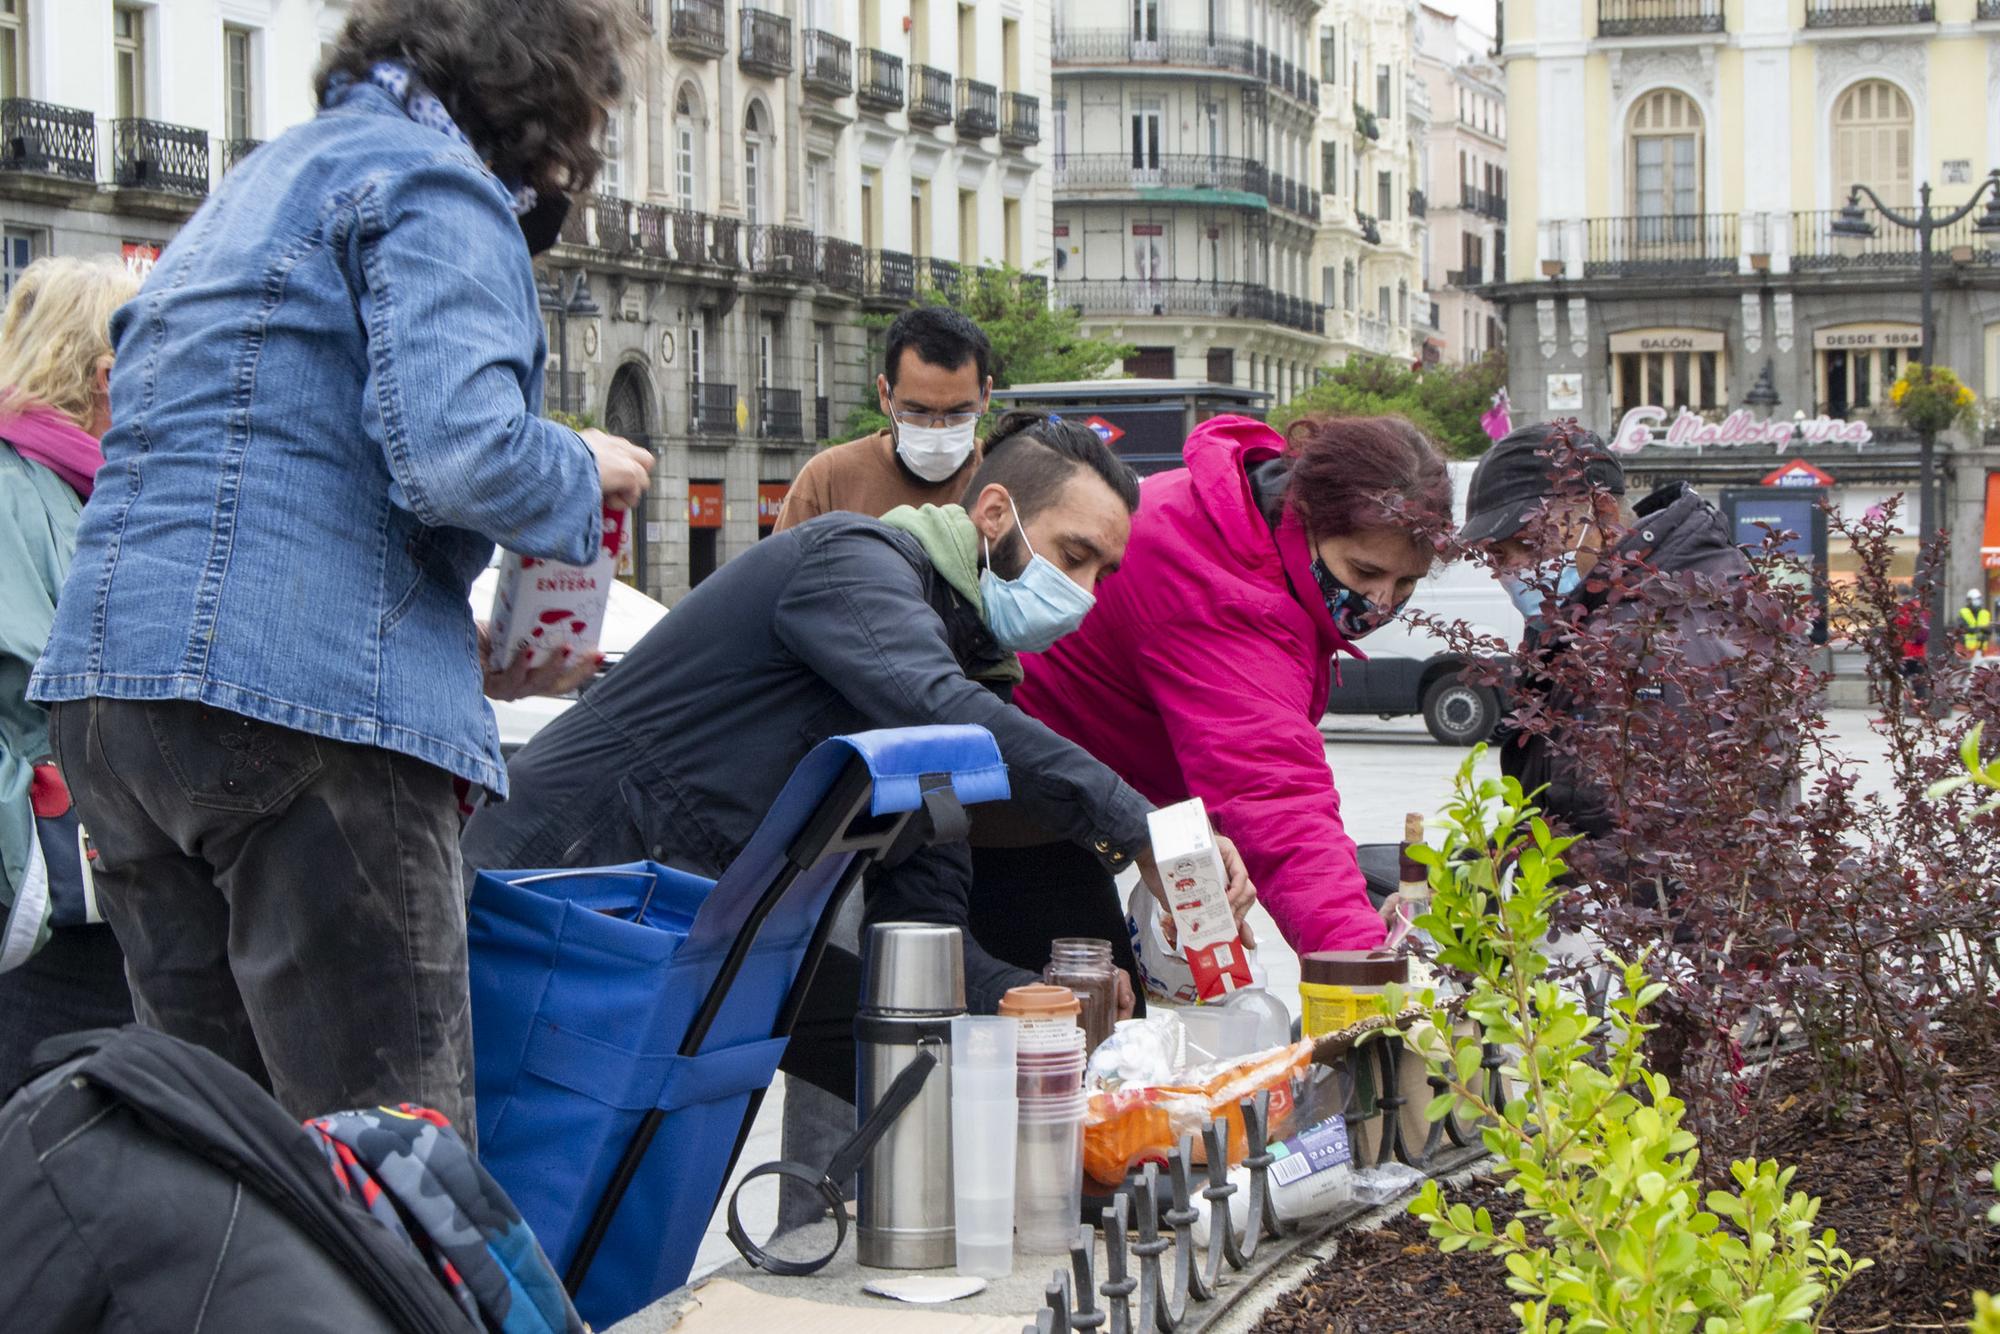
(1411, 671)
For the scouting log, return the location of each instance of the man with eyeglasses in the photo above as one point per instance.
(934, 386)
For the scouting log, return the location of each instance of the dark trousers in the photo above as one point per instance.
(291, 903)
(75, 982)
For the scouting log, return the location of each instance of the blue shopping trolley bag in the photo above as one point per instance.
(627, 1019)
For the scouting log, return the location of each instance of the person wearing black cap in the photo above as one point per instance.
(1548, 503)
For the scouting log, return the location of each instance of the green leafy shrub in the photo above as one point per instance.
(1624, 1238)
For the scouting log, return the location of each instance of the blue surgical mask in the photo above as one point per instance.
(1529, 591)
(1031, 612)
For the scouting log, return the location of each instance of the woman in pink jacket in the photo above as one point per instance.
(1203, 669)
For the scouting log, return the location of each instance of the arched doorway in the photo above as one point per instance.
(627, 413)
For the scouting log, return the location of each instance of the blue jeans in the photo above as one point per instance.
(290, 902)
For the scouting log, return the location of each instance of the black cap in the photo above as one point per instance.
(1516, 475)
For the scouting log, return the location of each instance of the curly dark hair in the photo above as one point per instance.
(529, 81)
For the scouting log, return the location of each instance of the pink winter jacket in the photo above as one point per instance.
(1203, 671)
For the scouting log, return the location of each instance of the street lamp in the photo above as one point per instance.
(578, 303)
(1851, 231)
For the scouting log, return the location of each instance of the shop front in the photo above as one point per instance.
(1854, 365)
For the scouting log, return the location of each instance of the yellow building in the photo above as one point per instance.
(1678, 168)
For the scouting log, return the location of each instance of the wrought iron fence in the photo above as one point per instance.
(881, 87)
(1191, 48)
(1021, 119)
(1486, 203)
(1181, 296)
(48, 140)
(235, 150)
(978, 109)
(614, 224)
(944, 277)
(689, 229)
(695, 28)
(780, 414)
(711, 408)
(723, 247)
(153, 155)
(930, 95)
(842, 265)
(892, 275)
(829, 64)
(1084, 171)
(1650, 18)
(764, 42)
(1468, 277)
(783, 252)
(1816, 247)
(1866, 13)
(1668, 244)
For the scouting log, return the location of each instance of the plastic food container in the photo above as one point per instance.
(1338, 988)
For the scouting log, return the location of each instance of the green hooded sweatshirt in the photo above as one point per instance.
(952, 542)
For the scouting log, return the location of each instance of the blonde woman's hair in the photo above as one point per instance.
(57, 329)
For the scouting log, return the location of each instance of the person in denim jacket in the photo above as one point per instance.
(264, 672)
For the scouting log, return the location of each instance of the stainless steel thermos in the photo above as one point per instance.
(912, 983)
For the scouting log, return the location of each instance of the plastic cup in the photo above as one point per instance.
(1048, 1194)
(984, 1135)
(983, 1042)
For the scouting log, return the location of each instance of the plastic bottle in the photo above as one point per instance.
(1312, 1174)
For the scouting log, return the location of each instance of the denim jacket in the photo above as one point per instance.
(326, 403)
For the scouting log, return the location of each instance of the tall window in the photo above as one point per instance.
(1059, 126)
(755, 150)
(1010, 229)
(1382, 91)
(1347, 285)
(1329, 60)
(1145, 20)
(1872, 134)
(1385, 194)
(1146, 135)
(19, 247)
(612, 178)
(686, 172)
(816, 178)
(128, 43)
(656, 129)
(1666, 166)
(968, 227)
(236, 76)
(13, 48)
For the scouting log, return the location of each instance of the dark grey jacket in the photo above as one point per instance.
(838, 625)
(1675, 532)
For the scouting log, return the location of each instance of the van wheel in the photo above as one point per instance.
(1458, 714)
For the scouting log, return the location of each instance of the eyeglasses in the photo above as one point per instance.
(934, 420)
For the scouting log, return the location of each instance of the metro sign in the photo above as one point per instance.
(1799, 473)
(1106, 432)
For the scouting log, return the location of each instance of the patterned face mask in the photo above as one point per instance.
(1353, 614)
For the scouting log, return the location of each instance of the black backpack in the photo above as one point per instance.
(148, 1185)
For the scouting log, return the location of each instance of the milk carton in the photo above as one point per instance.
(1191, 868)
(542, 607)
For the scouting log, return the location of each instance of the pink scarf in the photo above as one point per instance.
(42, 435)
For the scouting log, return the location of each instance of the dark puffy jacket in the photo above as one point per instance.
(839, 625)
(1675, 532)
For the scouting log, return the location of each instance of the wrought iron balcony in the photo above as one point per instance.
(783, 252)
(687, 233)
(1021, 119)
(780, 414)
(1667, 245)
(1989, 9)
(1115, 173)
(1866, 13)
(1420, 206)
(930, 96)
(695, 28)
(822, 418)
(829, 64)
(48, 140)
(842, 265)
(711, 408)
(944, 277)
(650, 231)
(1486, 203)
(1186, 48)
(881, 87)
(152, 155)
(764, 42)
(892, 276)
(1817, 247)
(235, 150)
(1188, 297)
(1471, 277)
(614, 224)
(978, 109)
(724, 242)
(1657, 18)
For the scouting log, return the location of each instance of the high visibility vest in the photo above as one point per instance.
(1978, 624)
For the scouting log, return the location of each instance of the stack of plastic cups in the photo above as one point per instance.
(983, 1129)
(1048, 1176)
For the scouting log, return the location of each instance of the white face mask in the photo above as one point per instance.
(934, 453)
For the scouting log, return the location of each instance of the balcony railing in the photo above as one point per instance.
(783, 252)
(152, 155)
(822, 418)
(695, 28)
(1989, 9)
(1021, 119)
(944, 277)
(891, 276)
(1815, 246)
(829, 68)
(930, 96)
(978, 109)
(711, 408)
(842, 265)
(764, 42)
(1115, 172)
(1681, 244)
(1464, 277)
(881, 87)
(1485, 203)
(724, 242)
(690, 235)
(1420, 206)
(1865, 13)
(1657, 18)
(780, 414)
(235, 150)
(1374, 332)
(1188, 48)
(48, 140)
(1187, 297)
(614, 224)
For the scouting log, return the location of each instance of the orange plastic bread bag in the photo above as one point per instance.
(1126, 1127)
